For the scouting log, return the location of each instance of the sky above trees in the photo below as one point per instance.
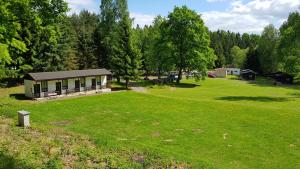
(249, 16)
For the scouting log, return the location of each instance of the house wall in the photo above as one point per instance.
(104, 80)
(88, 81)
(71, 85)
(28, 86)
(233, 71)
(221, 73)
(52, 85)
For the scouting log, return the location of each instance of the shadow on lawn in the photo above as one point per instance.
(9, 162)
(184, 85)
(258, 98)
(115, 89)
(269, 82)
(18, 96)
(295, 95)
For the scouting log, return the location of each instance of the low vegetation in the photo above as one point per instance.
(38, 147)
(217, 123)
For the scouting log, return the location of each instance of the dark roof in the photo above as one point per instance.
(66, 74)
(248, 71)
(280, 74)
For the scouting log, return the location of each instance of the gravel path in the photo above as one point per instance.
(139, 89)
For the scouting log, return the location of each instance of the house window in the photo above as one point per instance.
(82, 82)
(65, 84)
(99, 80)
(44, 86)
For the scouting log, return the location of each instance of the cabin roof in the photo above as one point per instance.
(41, 76)
(247, 71)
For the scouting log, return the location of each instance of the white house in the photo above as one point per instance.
(63, 83)
(233, 71)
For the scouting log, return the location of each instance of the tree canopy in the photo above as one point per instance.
(38, 35)
(190, 42)
(289, 45)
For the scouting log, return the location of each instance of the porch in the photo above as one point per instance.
(70, 87)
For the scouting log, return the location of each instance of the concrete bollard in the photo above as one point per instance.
(23, 118)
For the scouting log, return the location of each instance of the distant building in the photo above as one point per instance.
(53, 84)
(233, 71)
(220, 73)
(248, 74)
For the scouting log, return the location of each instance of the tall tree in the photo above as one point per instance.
(30, 31)
(104, 35)
(289, 45)
(85, 25)
(143, 40)
(252, 60)
(239, 56)
(267, 49)
(126, 58)
(161, 58)
(222, 42)
(190, 40)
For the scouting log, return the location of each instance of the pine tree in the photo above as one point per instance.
(104, 35)
(125, 59)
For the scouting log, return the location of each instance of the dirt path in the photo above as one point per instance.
(139, 89)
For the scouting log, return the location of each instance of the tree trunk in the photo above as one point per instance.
(179, 75)
(147, 75)
(118, 79)
(188, 74)
(159, 74)
(127, 82)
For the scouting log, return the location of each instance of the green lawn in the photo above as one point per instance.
(216, 123)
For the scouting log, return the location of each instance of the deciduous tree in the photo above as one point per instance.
(190, 41)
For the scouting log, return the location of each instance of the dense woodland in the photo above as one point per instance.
(38, 35)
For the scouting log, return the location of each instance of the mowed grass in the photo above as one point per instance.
(216, 123)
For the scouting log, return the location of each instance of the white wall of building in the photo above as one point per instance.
(104, 80)
(28, 85)
(71, 83)
(233, 71)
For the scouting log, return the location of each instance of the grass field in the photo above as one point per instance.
(216, 123)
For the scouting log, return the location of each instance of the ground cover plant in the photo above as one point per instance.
(217, 123)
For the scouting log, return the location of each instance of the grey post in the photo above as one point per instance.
(23, 118)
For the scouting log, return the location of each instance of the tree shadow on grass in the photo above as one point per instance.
(19, 96)
(184, 85)
(115, 89)
(250, 98)
(295, 95)
(11, 163)
(269, 82)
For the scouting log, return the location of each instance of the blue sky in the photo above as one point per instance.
(235, 15)
(164, 6)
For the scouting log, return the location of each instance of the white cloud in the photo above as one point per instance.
(77, 5)
(252, 16)
(234, 22)
(142, 19)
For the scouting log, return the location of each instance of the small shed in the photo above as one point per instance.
(282, 77)
(248, 74)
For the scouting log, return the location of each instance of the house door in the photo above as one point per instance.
(37, 90)
(94, 84)
(58, 88)
(77, 85)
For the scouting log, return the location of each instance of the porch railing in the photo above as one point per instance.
(68, 91)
